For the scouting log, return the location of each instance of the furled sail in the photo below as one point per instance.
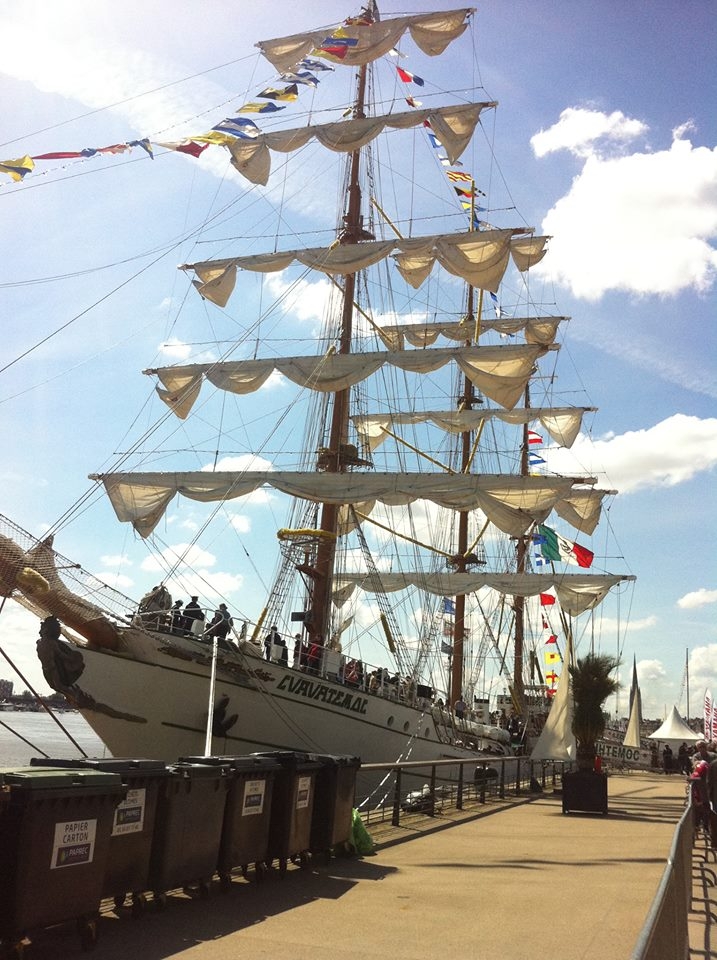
(501, 372)
(366, 42)
(576, 592)
(480, 258)
(541, 330)
(562, 423)
(511, 503)
(453, 125)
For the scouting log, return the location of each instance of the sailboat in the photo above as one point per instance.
(406, 564)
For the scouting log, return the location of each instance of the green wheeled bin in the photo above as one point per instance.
(133, 825)
(55, 827)
(188, 828)
(331, 824)
(292, 807)
(247, 816)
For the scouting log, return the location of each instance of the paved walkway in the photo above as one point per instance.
(501, 883)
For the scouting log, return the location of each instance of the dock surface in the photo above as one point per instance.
(500, 882)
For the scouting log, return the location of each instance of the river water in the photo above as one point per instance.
(42, 731)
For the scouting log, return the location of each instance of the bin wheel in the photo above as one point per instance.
(119, 901)
(304, 859)
(88, 933)
(282, 866)
(139, 904)
(160, 901)
(260, 871)
(225, 882)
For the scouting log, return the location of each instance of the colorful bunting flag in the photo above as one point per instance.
(446, 647)
(289, 93)
(449, 606)
(270, 107)
(553, 547)
(303, 76)
(551, 656)
(413, 102)
(314, 64)
(190, 147)
(552, 639)
(534, 437)
(144, 144)
(238, 127)
(17, 169)
(552, 677)
(547, 599)
(409, 77)
(534, 459)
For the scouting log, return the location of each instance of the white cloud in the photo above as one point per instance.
(174, 348)
(305, 300)
(671, 452)
(118, 580)
(190, 554)
(649, 671)
(116, 560)
(697, 598)
(640, 222)
(245, 461)
(703, 670)
(579, 129)
(240, 522)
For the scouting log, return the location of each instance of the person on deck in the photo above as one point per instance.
(194, 615)
(273, 638)
(667, 759)
(459, 708)
(221, 625)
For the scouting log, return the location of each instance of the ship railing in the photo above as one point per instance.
(418, 787)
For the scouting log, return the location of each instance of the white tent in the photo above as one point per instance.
(674, 729)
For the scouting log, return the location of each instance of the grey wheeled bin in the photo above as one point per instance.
(55, 829)
(188, 828)
(292, 808)
(331, 824)
(247, 817)
(133, 825)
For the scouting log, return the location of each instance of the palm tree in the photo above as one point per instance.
(592, 683)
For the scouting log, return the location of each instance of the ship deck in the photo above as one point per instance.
(511, 880)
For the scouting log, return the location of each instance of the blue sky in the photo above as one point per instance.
(605, 137)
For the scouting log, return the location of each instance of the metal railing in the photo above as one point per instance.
(665, 935)
(420, 787)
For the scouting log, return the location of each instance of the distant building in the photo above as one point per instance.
(5, 689)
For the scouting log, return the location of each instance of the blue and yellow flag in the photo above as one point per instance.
(17, 169)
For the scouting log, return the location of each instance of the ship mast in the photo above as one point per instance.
(319, 622)
(460, 560)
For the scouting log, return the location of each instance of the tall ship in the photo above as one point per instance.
(428, 573)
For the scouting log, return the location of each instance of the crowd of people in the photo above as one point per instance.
(700, 765)
(157, 611)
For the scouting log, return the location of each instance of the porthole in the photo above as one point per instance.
(389, 722)
(406, 726)
(427, 733)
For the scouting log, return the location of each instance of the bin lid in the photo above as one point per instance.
(337, 760)
(44, 778)
(240, 763)
(196, 771)
(291, 758)
(120, 765)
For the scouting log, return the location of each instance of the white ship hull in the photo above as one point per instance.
(155, 705)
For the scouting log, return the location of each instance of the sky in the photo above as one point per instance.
(606, 139)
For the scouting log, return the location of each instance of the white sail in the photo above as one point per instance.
(562, 423)
(556, 740)
(453, 125)
(513, 504)
(541, 330)
(576, 593)
(479, 258)
(501, 372)
(431, 32)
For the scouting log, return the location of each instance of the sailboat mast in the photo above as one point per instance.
(521, 552)
(319, 623)
(459, 628)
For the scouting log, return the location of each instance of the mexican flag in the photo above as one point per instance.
(555, 547)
